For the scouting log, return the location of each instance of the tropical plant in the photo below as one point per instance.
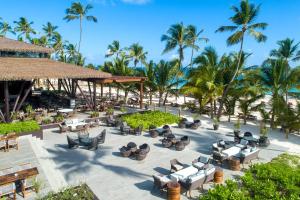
(243, 20)
(50, 31)
(5, 28)
(114, 49)
(136, 52)
(193, 39)
(79, 11)
(24, 28)
(19, 127)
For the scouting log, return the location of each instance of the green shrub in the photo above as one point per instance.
(19, 127)
(146, 119)
(278, 179)
(58, 118)
(94, 114)
(46, 121)
(73, 193)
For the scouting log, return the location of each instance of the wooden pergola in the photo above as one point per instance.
(21, 64)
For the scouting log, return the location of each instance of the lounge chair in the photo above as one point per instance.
(72, 143)
(219, 157)
(166, 130)
(145, 147)
(132, 146)
(193, 182)
(63, 128)
(110, 121)
(201, 162)
(140, 154)
(243, 144)
(138, 130)
(167, 143)
(7, 190)
(209, 172)
(248, 134)
(101, 137)
(176, 165)
(93, 144)
(125, 151)
(179, 146)
(160, 182)
(186, 140)
(247, 157)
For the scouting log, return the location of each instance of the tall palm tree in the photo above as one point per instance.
(23, 27)
(204, 81)
(50, 31)
(114, 49)
(244, 23)
(194, 37)
(288, 51)
(79, 11)
(136, 52)
(5, 28)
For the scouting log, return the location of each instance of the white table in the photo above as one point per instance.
(232, 151)
(65, 110)
(73, 123)
(183, 174)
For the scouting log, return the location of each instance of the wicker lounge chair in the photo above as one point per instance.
(101, 137)
(176, 165)
(201, 162)
(132, 146)
(93, 144)
(125, 151)
(166, 130)
(179, 146)
(159, 183)
(145, 147)
(218, 157)
(246, 158)
(138, 130)
(193, 182)
(72, 143)
(209, 172)
(7, 190)
(248, 134)
(186, 140)
(167, 143)
(140, 154)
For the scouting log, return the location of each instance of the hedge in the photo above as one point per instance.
(156, 118)
(278, 179)
(19, 127)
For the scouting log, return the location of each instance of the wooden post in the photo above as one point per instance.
(6, 97)
(101, 90)
(19, 96)
(25, 95)
(59, 85)
(87, 99)
(141, 94)
(95, 94)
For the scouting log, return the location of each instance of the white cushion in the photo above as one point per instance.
(247, 150)
(231, 151)
(240, 146)
(198, 165)
(222, 142)
(210, 171)
(195, 177)
(244, 142)
(178, 167)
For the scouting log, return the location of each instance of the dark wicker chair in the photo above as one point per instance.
(166, 130)
(101, 137)
(172, 138)
(110, 121)
(145, 147)
(125, 130)
(93, 144)
(248, 159)
(153, 133)
(72, 143)
(176, 165)
(125, 151)
(179, 146)
(140, 154)
(248, 134)
(167, 143)
(158, 183)
(63, 128)
(181, 124)
(132, 146)
(218, 157)
(190, 185)
(186, 140)
(138, 130)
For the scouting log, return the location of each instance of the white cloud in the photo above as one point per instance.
(139, 2)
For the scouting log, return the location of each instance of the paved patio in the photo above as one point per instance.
(113, 177)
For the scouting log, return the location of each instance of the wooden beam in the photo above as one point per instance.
(19, 96)
(6, 99)
(101, 90)
(141, 94)
(65, 86)
(51, 84)
(87, 100)
(90, 91)
(2, 116)
(95, 94)
(25, 95)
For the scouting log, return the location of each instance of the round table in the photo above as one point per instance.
(218, 177)
(173, 191)
(235, 164)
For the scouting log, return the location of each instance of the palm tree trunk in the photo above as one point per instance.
(233, 77)
(118, 91)
(192, 56)
(126, 96)
(150, 96)
(286, 72)
(165, 100)
(160, 98)
(211, 110)
(80, 35)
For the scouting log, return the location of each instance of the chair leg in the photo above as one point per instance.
(15, 195)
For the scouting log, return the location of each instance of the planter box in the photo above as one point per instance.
(49, 126)
(39, 134)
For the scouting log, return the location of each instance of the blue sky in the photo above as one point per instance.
(144, 21)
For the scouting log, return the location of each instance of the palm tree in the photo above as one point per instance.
(23, 27)
(136, 52)
(114, 49)
(165, 78)
(79, 11)
(5, 28)
(243, 21)
(205, 81)
(288, 51)
(50, 31)
(194, 37)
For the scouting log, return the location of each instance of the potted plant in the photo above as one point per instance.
(123, 109)
(59, 118)
(94, 114)
(110, 111)
(237, 127)
(263, 139)
(216, 124)
(37, 186)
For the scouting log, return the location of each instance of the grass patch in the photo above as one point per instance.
(278, 179)
(156, 118)
(19, 127)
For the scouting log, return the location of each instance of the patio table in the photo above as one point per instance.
(65, 110)
(232, 151)
(183, 174)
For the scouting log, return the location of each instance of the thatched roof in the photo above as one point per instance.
(123, 79)
(18, 46)
(43, 68)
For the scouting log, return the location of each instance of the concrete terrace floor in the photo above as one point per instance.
(112, 177)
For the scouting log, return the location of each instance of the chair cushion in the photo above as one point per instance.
(7, 189)
(244, 142)
(203, 159)
(198, 165)
(210, 170)
(178, 167)
(195, 177)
